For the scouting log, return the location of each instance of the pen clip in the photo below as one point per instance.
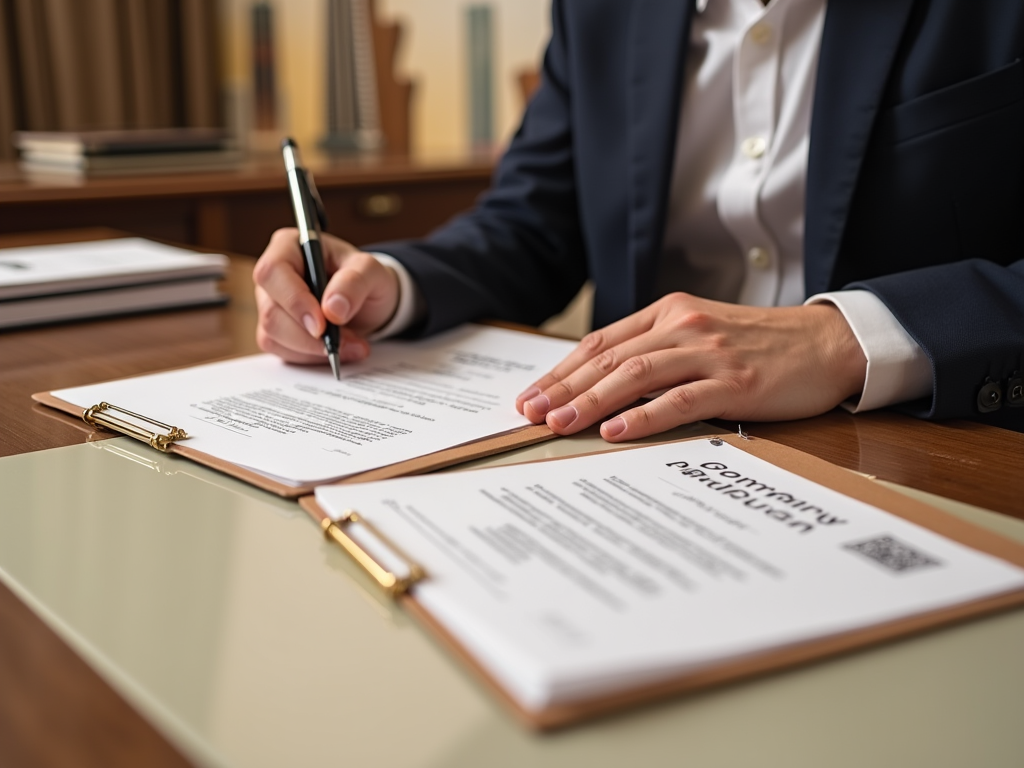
(318, 203)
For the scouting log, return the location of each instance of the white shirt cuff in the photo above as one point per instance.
(898, 369)
(405, 312)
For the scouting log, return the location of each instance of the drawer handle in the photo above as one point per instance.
(380, 206)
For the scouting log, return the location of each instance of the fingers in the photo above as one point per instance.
(596, 348)
(291, 322)
(353, 350)
(685, 404)
(279, 334)
(636, 376)
(360, 297)
(279, 273)
(630, 356)
(713, 360)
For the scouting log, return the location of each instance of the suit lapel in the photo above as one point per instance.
(858, 45)
(658, 39)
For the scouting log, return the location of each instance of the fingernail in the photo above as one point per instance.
(339, 307)
(540, 404)
(311, 326)
(529, 394)
(563, 417)
(614, 427)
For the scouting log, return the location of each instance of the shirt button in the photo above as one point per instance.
(754, 146)
(761, 33)
(759, 257)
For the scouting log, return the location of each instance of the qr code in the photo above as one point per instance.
(892, 554)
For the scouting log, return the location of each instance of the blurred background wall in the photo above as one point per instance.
(100, 64)
(432, 53)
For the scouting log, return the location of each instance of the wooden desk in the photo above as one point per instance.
(55, 710)
(368, 199)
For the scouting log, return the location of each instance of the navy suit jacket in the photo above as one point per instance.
(915, 182)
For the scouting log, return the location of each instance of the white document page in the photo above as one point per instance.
(580, 577)
(47, 269)
(298, 425)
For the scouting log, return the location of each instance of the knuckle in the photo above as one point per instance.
(562, 392)
(694, 321)
(639, 368)
(675, 301)
(284, 235)
(642, 419)
(365, 262)
(591, 399)
(681, 399)
(359, 269)
(297, 303)
(261, 271)
(605, 362)
(263, 340)
(270, 318)
(593, 342)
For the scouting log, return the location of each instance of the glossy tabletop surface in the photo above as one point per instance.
(221, 614)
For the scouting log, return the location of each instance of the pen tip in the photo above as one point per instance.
(335, 365)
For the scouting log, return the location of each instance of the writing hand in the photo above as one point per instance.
(716, 360)
(360, 297)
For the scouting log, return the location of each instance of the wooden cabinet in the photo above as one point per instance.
(367, 200)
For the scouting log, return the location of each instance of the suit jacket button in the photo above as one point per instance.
(1015, 391)
(990, 396)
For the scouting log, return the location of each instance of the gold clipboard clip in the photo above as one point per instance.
(394, 584)
(112, 417)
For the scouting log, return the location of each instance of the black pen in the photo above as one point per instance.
(311, 218)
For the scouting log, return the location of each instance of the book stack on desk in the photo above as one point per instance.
(112, 153)
(53, 283)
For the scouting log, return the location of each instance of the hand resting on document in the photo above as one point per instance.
(360, 297)
(712, 359)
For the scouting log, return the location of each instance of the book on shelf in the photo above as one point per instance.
(353, 103)
(53, 283)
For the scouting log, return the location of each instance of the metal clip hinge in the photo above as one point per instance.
(113, 418)
(391, 582)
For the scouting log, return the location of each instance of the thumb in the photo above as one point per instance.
(363, 294)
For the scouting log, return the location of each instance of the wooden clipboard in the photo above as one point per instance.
(520, 437)
(477, 449)
(718, 673)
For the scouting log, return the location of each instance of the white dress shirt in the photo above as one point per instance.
(735, 220)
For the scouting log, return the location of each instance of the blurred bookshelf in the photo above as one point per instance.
(257, 69)
(368, 199)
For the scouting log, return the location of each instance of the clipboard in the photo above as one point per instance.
(401, 586)
(165, 437)
(110, 417)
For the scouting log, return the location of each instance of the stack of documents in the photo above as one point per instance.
(52, 283)
(107, 153)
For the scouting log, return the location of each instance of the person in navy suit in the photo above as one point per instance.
(783, 206)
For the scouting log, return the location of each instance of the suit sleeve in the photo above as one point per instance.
(968, 316)
(518, 255)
